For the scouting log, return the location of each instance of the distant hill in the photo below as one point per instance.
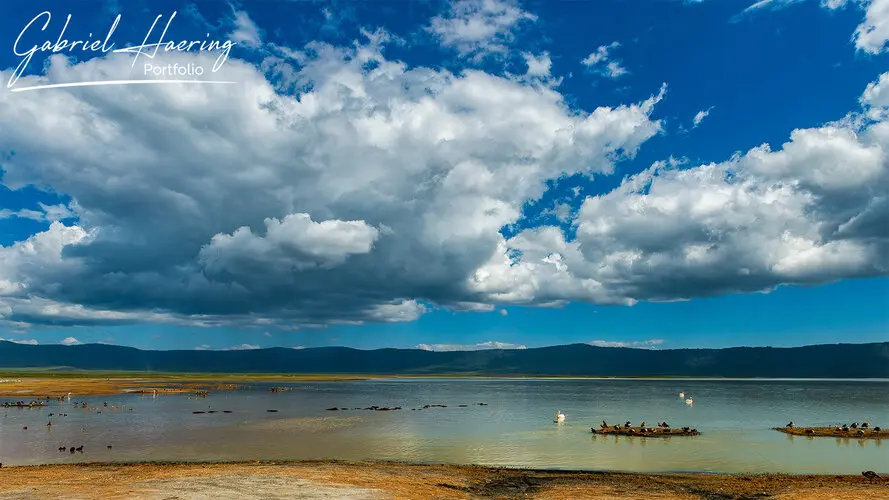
(817, 361)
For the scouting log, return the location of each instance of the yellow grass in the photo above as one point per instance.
(32, 385)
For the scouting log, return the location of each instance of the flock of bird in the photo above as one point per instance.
(854, 426)
(75, 404)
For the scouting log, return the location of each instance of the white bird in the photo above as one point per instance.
(559, 418)
(681, 394)
(690, 401)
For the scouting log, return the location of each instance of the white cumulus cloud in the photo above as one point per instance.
(21, 341)
(365, 198)
(245, 31)
(700, 115)
(872, 34)
(646, 344)
(379, 192)
(470, 347)
(477, 28)
(242, 347)
(602, 61)
(812, 211)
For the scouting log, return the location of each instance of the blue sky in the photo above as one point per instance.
(451, 175)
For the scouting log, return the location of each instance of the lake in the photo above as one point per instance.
(514, 428)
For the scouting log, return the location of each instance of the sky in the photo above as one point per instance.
(445, 175)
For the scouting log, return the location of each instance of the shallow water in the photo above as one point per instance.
(515, 428)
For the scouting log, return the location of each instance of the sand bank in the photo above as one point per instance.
(836, 432)
(644, 431)
(387, 480)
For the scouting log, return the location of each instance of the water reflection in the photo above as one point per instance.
(515, 428)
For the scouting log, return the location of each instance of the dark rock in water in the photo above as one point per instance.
(196, 412)
(271, 411)
(482, 404)
(462, 406)
(109, 446)
(226, 411)
(333, 409)
(212, 411)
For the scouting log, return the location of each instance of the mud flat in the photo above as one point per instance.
(389, 480)
(869, 433)
(646, 432)
(30, 386)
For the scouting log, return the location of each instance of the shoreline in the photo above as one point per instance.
(401, 480)
(33, 384)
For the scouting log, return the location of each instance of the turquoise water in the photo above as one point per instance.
(514, 428)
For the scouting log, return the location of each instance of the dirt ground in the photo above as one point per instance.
(387, 480)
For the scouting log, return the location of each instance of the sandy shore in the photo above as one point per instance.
(387, 480)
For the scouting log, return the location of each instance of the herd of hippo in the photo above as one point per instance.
(386, 408)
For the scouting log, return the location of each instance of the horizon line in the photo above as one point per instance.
(299, 348)
(114, 82)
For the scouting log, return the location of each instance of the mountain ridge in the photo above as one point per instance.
(869, 360)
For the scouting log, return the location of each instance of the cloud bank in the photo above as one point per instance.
(380, 190)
